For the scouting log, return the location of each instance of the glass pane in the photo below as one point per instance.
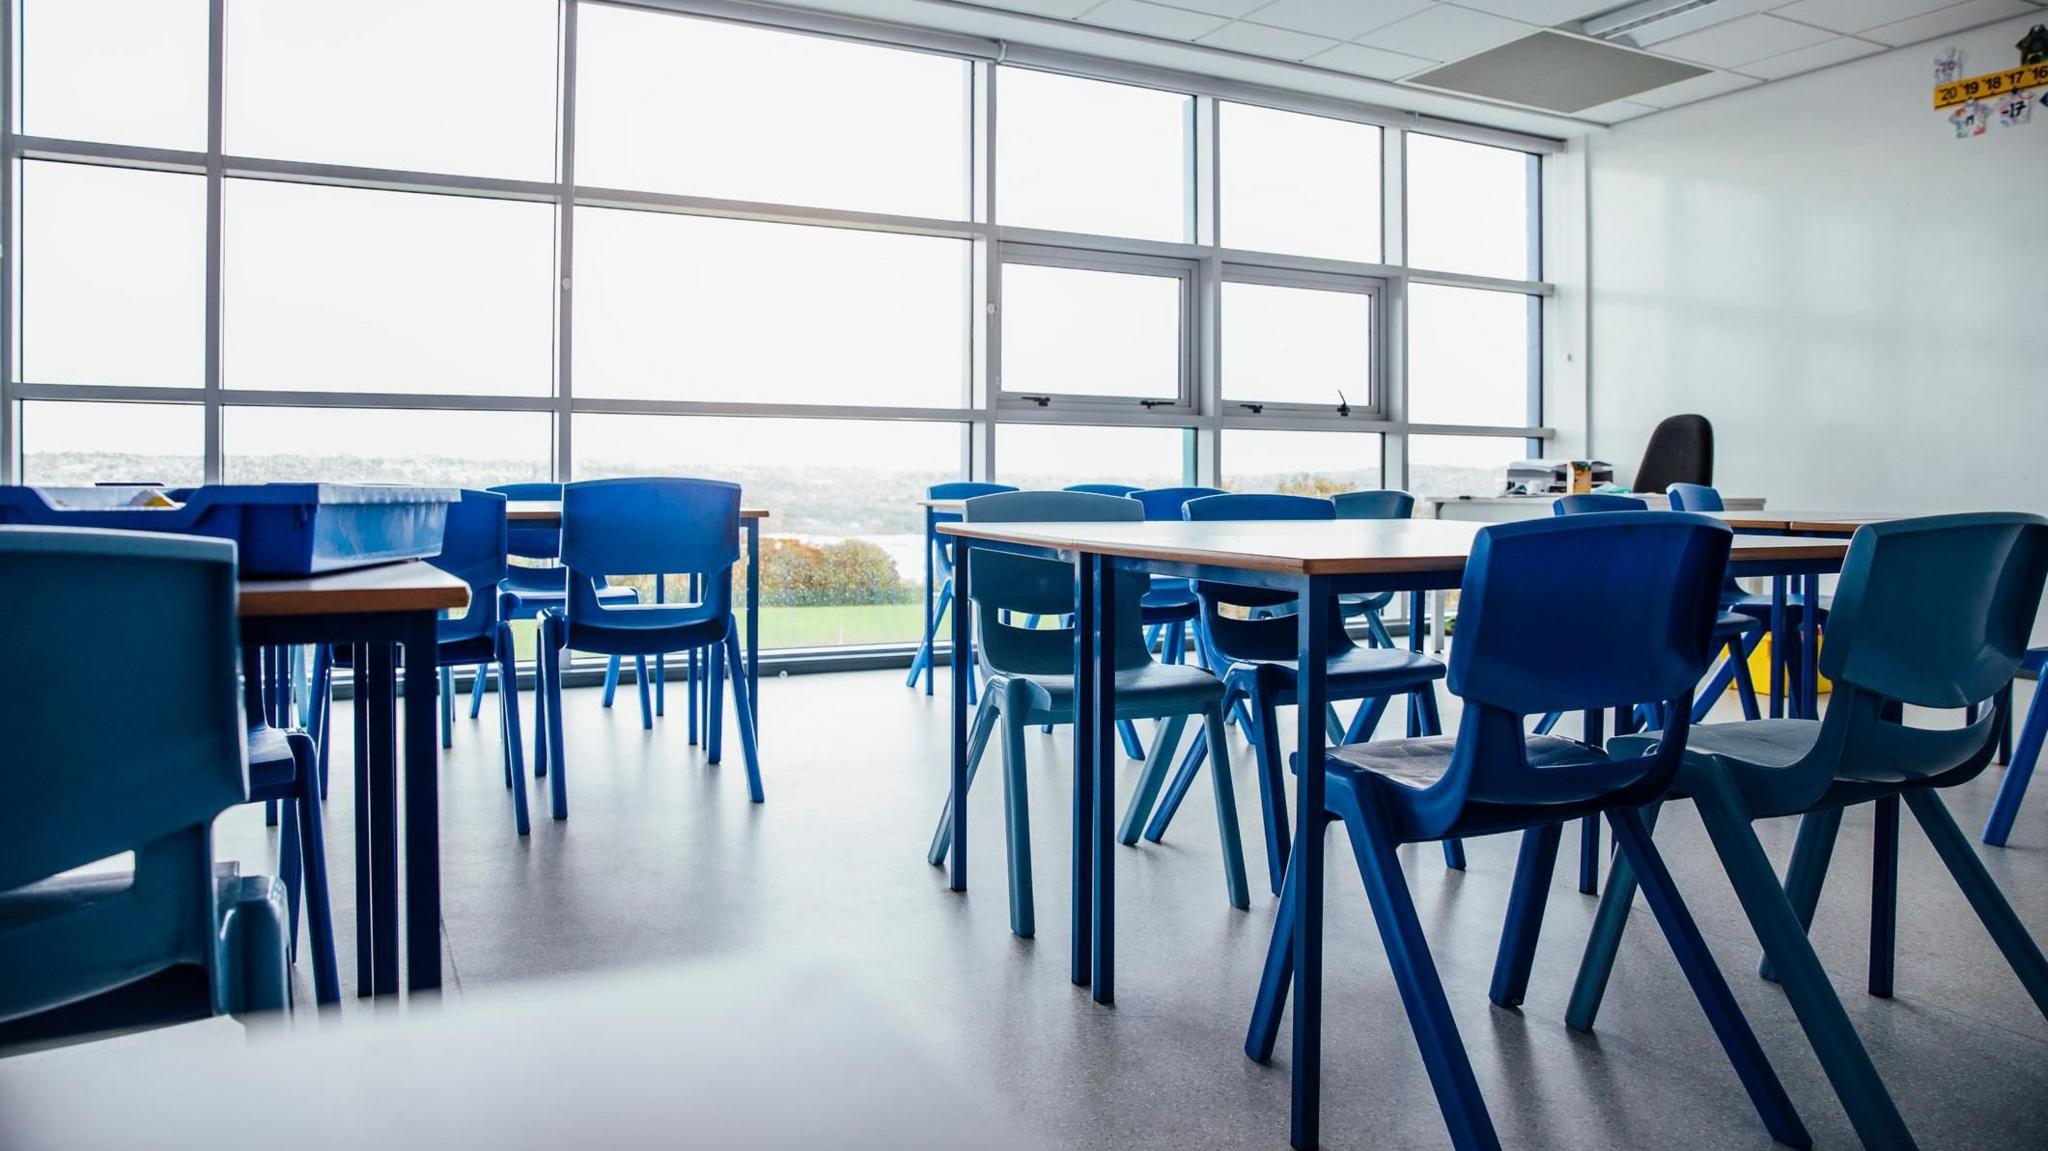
(842, 554)
(462, 86)
(1296, 345)
(1077, 332)
(1469, 356)
(1302, 184)
(65, 444)
(712, 109)
(113, 276)
(1087, 156)
(1056, 455)
(385, 446)
(693, 308)
(1461, 465)
(1300, 463)
(1469, 208)
(339, 289)
(118, 71)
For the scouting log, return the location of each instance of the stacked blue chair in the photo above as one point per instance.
(1373, 504)
(673, 525)
(1103, 489)
(1030, 678)
(1554, 615)
(938, 552)
(473, 549)
(182, 935)
(1257, 657)
(1931, 613)
(527, 590)
(2026, 753)
(1169, 604)
(1701, 498)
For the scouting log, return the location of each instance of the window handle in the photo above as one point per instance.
(1255, 409)
(1150, 404)
(1041, 401)
(1343, 405)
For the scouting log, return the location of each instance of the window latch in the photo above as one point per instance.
(1041, 401)
(1254, 409)
(1148, 405)
(1343, 405)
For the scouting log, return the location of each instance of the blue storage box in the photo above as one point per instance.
(279, 529)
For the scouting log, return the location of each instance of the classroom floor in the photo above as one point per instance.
(664, 859)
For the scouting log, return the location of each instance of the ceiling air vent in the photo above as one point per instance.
(1557, 72)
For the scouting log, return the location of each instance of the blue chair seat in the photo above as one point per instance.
(521, 600)
(1366, 671)
(648, 629)
(1420, 763)
(1146, 692)
(1758, 745)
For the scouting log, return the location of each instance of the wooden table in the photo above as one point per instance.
(549, 513)
(1804, 523)
(379, 612)
(722, 1055)
(1505, 508)
(1316, 561)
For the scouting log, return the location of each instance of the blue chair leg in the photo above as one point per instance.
(1544, 725)
(1017, 814)
(743, 714)
(1747, 1056)
(611, 680)
(691, 671)
(1990, 904)
(508, 722)
(313, 847)
(985, 717)
(291, 871)
(540, 707)
(1183, 778)
(1869, 1105)
(447, 702)
(2025, 753)
(1884, 896)
(1231, 840)
(1272, 792)
(1527, 897)
(1274, 980)
(1604, 941)
(1812, 850)
(1745, 683)
(1366, 720)
(320, 708)
(714, 706)
(1127, 732)
(1150, 779)
(477, 683)
(1589, 855)
(558, 785)
(646, 703)
(1333, 728)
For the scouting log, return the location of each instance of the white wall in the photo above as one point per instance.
(1856, 298)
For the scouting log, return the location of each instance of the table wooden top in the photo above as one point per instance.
(1320, 547)
(1804, 521)
(762, 1055)
(413, 585)
(550, 512)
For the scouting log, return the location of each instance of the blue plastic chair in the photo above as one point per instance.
(1258, 658)
(1931, 613)
(182, 935)
(1102, 489)
(634, 526)
(1701, 498)
(1030, 679)
(1169, 605)
(1372, 504)
(527, 590)
(1571, 614)
(2025, 754)
(939, 553)
(473, 549)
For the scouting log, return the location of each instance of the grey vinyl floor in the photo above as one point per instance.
(663, 859)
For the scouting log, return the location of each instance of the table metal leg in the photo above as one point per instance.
(958, 693)
(1809, 650)
(1311, 692)
(1082, 958)
(1439, 601)
(366, 932)
(422, 812)
(380, 681)
(1778, 639)
(1589, 826)
(1104, 758)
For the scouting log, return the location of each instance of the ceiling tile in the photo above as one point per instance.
(1697, 88)
(1719, 12)
(1807, 59)
(1262, 41)
(1445, 33)
(1378, 63)
(1548, 13)
(1857, 15)
(1949, 20)
(1615, 111)
(1342, 19)
(1743, 41)
(1153, 19)
(1058, 9)
(1230, 8)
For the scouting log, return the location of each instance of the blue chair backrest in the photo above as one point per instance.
(1374, 504)
(84, 780)
(1572, 614)
(1597, 502)
(1256, 639)
(1023, 586)
(957, 490)
(1103, 489)
(473, 550)
(532, 541)
(1694, 498)
(1165, 503)
(644, 526)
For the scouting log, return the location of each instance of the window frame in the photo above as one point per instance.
(1374, 407)
(1186, 351)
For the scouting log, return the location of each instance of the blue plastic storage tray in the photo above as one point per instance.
(279, 529)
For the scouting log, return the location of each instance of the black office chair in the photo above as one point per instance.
(1681, 451)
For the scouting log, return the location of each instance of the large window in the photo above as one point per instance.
(465, 242)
